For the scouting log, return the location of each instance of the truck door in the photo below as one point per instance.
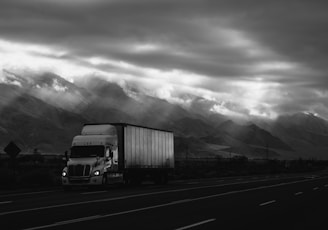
(112, 158)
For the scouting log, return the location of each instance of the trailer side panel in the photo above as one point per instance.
(148, 148)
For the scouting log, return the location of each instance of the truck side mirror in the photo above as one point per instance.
(66, 156)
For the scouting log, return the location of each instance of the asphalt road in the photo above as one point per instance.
(256, 202)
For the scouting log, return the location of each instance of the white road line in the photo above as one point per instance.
(164, 205)
(193, 182)
(196, 224)
(269, 202)
(5, 202)
(316, 188)
(180, 201)
(298, 193)
(151, 193)
(78, 220)
(96, 192)
(108, 215)
(65, 222)
(28, 193)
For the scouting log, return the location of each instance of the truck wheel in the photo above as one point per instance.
(164, 178)
(157, 179)
(104, 180)
(126, 180)
(136, 181)
(161, 178)
(67, 188)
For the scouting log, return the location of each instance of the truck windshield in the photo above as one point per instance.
(87, 151)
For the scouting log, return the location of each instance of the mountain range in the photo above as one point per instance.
(44, 112)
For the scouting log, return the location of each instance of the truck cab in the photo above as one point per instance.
(93, 157)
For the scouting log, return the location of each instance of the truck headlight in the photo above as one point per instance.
(96, 173)
(64, 174)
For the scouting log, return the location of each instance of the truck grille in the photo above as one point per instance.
(79, 170)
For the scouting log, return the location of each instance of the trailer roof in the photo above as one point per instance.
(128, 124)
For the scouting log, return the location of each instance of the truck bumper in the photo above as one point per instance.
(82, 181)
(94, 180)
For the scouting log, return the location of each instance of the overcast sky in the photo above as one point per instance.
(259, 58)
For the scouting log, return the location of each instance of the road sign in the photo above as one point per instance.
(12, 149)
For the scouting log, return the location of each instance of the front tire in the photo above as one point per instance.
(104, 181)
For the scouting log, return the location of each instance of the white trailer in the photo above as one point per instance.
(119, 152)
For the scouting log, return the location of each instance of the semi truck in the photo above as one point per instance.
(118, 152)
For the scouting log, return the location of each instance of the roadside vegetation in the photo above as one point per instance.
(242, 166)
(38, 170)
(33, 170)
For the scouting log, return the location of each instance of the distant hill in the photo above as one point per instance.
(246, 139)
(32, 123)
(305, 133)
(46, 111)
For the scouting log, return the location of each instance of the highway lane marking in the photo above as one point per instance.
(180, 201)
(65, 222)
(166, 204)
(148, 194)
(95, 192)
(28, 193)
(108, 215)
(5, 202)
(269, 202)
(156, 206)
(78, 220)
(196, 224)
(298, 193)
(193, 182)
(316, 188)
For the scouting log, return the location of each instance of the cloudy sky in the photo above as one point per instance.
(249, 57)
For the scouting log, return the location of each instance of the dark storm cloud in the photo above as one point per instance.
(107, 28)
(281, 42)
(291, 26)
(294, 28)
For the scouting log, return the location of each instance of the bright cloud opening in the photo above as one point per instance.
(221, 109)
(38, 59)
(145, 48)
(275, 65)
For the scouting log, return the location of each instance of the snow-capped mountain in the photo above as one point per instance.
(45, 111)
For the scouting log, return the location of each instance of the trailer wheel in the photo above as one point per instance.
(161, 178)
(157, 179)
(164, 178)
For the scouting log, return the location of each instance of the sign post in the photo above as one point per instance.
(12, 150)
